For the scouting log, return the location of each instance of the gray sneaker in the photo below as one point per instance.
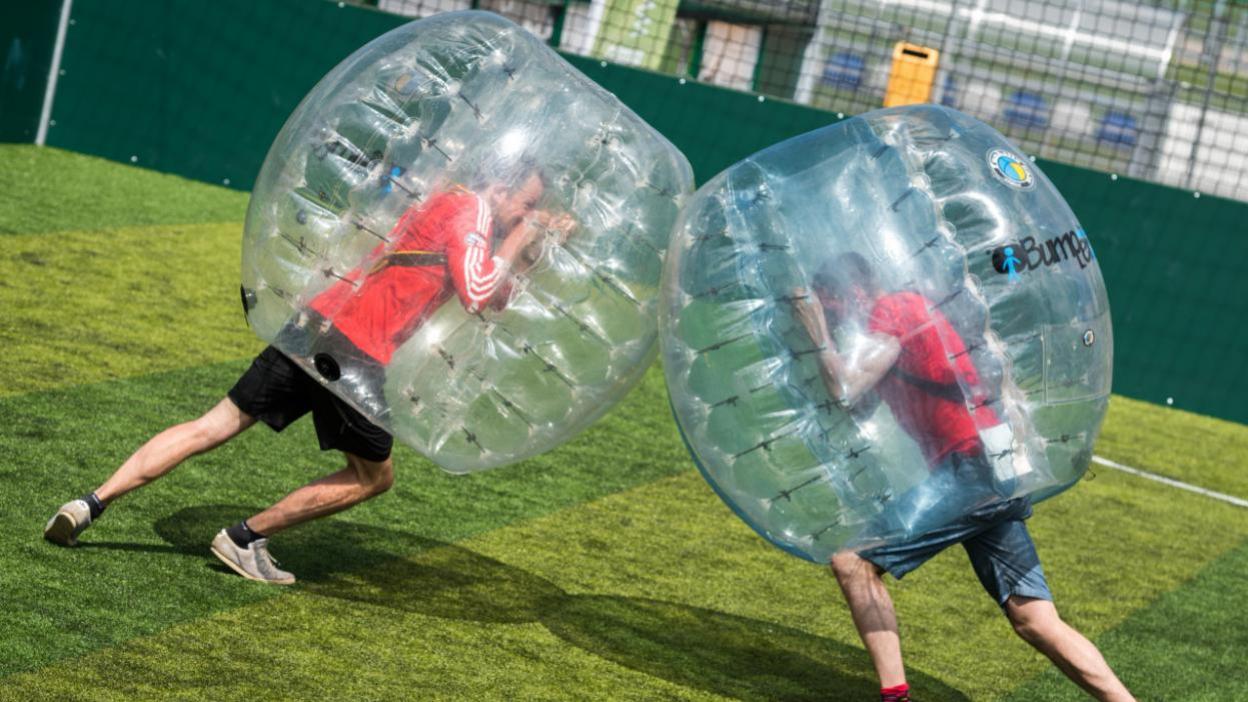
(253, 562)
(69, 521)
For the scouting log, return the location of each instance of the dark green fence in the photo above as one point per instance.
(27, 36)
(201, 88)
(196, 88)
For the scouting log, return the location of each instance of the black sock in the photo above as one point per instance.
(242, 535)
(94, 504)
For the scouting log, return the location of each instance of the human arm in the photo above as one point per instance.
(850, 375)
(555, 230)
(866, 364)
(477, 268)
(523, 237)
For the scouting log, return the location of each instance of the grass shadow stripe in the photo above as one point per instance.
(1187, 645)
(63, 442)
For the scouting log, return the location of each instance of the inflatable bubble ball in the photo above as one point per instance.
(875, 329)
(462, 236)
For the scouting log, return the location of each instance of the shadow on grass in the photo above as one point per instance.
(691, 646)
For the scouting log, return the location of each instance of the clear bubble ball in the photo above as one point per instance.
(462, 236)
(875, 329)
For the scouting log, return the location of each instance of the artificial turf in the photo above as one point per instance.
(605, 569)
(1206, 451)
(59, 444)
(86, 306)
(50, 190)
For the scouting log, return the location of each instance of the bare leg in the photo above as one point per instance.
(360, 480)
(873, 614)
(1038, 623)
(163, 452)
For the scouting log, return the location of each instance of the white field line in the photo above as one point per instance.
(1238, 502)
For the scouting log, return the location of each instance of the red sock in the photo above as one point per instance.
(896, 693)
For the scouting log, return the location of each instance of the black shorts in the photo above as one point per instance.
(276, 391)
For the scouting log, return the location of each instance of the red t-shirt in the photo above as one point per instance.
(931, 350)
(378, 307)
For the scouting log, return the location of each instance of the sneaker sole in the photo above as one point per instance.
(60, 530)
(234, 567)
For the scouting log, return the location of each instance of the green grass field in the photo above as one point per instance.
(606, 569)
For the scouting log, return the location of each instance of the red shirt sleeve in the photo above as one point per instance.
(475, 272)
(884, 318)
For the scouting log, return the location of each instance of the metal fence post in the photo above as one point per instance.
(1215, 36)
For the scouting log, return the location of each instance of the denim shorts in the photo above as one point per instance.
(995, 539)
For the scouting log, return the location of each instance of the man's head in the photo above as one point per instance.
(513, 188)
(846, 283)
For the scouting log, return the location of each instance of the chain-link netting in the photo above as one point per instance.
(1156, 90)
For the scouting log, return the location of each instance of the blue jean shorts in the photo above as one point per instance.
(995, 539)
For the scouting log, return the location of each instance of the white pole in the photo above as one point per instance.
(46, 117)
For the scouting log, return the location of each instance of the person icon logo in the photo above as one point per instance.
(1011, 263)
(1004, 261)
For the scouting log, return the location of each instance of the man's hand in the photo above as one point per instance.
(563, 224)
(556, 227)
(559, 224)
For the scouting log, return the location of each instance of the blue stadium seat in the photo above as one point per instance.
(949, 95)
(844, 70)
(1118, 128)
(1024, 109)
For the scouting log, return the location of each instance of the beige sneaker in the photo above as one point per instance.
(253, 562)
(69, 521)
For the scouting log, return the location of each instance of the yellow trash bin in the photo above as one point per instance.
(914, 71)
